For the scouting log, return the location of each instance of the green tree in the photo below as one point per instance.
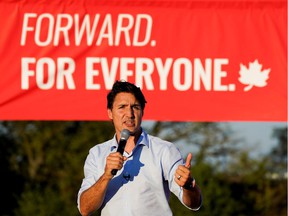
(278, 153)
(215, 146)
(214, 142)
(42, 163)
(11, 181)
(49, 156)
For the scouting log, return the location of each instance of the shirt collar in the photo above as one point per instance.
(143, 140)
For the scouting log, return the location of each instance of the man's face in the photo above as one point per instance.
(126, 113)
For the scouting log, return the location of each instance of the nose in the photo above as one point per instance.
(130, 112)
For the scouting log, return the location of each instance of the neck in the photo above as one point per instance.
(132, 141)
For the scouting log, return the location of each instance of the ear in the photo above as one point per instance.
(109, 111)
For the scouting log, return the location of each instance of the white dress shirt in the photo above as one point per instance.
(143, 185)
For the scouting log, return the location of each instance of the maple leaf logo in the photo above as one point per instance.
(253, 76)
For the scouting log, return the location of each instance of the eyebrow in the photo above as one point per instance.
(137, 104)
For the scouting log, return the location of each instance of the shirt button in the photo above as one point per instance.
(126, 176)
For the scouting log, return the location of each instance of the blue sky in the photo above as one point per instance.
(257, 135)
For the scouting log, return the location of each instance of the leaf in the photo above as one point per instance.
(253, 76)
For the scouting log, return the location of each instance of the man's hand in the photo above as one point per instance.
(182, 174)
(191, 194)
(114, 161)
(92, 198)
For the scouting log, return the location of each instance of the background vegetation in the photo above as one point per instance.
(42, 167)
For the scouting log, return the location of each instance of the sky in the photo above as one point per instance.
(256, 136)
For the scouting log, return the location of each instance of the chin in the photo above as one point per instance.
(135, 131)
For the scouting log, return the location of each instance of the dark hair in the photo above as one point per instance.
(123, 86)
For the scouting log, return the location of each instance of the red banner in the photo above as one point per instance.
(195, 60)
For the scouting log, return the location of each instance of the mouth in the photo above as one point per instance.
(129, 123)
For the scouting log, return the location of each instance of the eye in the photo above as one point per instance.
(137, 107)
(121, 106)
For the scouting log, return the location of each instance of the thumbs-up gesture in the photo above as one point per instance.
(183, 175)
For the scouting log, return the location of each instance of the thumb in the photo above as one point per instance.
(188, 160)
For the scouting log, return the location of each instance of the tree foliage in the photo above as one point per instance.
(42, 166)
(49, 158)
